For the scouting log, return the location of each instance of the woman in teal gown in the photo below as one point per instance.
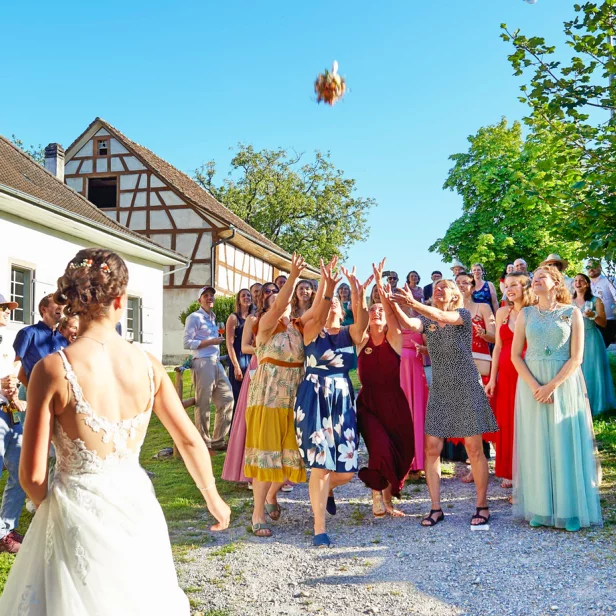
(596, 364)
(556, 473)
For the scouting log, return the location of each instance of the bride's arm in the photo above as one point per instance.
(171, 413)
(44, 391)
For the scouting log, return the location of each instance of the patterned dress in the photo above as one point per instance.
(271, 449)
(325, 421)
(457, 405)
(483, 295)
(555, 472)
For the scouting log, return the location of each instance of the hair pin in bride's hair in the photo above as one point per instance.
(88, 263)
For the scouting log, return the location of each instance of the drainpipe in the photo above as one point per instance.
(179, 269)
(213, 255)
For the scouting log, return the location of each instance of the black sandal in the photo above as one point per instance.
(484, 524)
(433, 521)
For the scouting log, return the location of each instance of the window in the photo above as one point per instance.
(133, 319)
(103, 192)
(21, 292)
(102, 147)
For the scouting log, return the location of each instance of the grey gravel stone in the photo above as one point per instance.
(396, 567)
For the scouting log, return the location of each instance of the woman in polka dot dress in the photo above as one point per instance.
(457, 405)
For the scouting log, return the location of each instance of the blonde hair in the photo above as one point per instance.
(563, 296)
(457, 301)
(528, 296)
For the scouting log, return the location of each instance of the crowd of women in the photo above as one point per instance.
(294, 347)
(514, 378)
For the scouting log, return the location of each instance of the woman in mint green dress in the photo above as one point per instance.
(595, 365)
(556, 473)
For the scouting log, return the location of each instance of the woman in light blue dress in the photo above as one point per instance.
(556, 474)
(595, 365)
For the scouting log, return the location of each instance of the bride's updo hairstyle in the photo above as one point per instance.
(91, 281)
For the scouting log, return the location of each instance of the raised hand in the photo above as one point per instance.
(403, 297)
(298, 265)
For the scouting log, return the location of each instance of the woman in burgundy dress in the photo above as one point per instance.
(383, 415)
(504, 377)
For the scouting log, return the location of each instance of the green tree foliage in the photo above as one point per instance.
(303, 206)
(572, 105)
(500, 221)
(38, 153)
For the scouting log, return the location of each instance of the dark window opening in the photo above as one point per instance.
(103, 192)
(102, 147)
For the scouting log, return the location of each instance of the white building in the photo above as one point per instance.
(43, 223)
(137, 188)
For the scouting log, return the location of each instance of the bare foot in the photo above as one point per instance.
(468, 478)
(378, 507)
(392, 511)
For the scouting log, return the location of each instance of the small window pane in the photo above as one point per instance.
(21, 292)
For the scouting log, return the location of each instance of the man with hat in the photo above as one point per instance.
(211, 384)
(603, 287)
(561, 266)
(10, 440)
(457, 267)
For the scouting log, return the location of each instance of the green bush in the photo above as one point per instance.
(223, 307)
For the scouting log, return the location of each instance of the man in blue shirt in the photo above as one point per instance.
(35, 342)
(211, 384)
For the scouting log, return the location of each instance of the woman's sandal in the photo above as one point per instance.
(484, 523)
(468, 478)
(429, 521)
(264, 529)
(273, 511)
(506, 484)
(321, 541)
(378, 507)
(392, 511)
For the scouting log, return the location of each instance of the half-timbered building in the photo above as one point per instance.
(137, 188)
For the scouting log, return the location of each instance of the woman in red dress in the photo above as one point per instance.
(504, 377)
(383, 415)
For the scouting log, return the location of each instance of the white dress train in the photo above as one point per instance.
(98, 544)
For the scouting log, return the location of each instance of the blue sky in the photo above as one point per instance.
(190, 79)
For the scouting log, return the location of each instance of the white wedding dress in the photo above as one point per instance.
(98, 544)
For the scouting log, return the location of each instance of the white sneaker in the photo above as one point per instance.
(287, 487)
(30, 506)
(250, 485)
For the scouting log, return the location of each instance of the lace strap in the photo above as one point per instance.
(71, 377)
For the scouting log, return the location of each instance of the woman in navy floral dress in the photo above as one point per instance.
(325, 421)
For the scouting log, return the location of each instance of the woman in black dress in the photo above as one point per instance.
(235, 327)
(457, 404)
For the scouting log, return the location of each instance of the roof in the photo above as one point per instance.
(183, 184)
(22, 173)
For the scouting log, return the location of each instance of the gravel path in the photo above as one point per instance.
(394, 566)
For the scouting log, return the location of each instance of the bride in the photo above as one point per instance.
(98, 544)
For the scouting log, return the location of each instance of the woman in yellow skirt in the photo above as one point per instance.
(272, 454)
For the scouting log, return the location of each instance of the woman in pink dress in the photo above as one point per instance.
(413, 380)
(233, 469)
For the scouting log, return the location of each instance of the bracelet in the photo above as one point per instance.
(327, 298)
(212, 485)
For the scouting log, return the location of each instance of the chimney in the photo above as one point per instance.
(54, 160)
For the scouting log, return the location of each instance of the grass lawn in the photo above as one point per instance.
(188, 518)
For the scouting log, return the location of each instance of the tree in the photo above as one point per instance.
(499, 221)
(37, 153)
(572, 106)
(308, 207)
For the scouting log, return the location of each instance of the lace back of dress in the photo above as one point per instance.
(109, 443)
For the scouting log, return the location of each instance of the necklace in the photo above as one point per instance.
(551, 309)
(94, 340)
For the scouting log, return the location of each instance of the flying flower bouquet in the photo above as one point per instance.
(329, 86)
